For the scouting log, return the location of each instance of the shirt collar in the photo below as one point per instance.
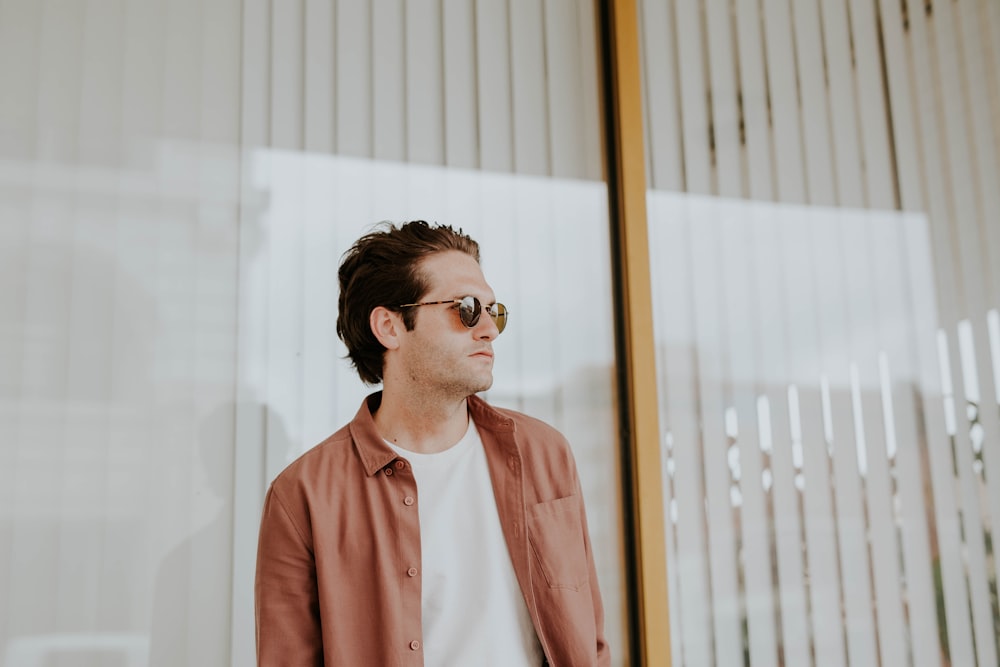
(376, 454)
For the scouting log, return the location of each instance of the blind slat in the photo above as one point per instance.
(695, 118)
(318, 52)
(424, 82)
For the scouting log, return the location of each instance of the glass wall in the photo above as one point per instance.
(177, 183)
(822, 204)
(807, 471)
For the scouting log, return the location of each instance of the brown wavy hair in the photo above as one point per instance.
(382, 269)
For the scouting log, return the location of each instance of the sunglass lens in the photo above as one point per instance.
(499, 315)
(469, 311)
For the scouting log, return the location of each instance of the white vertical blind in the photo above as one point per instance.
(492, 85)
(832, 560)
(842, 106)
(177, 183)
(121, 276)
(678, 397)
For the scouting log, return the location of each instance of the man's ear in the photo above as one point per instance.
(386, 325)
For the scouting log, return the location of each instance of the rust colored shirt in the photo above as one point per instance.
(338, 561)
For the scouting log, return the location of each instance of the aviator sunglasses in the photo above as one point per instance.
(470, 310)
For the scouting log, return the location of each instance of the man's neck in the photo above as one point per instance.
(421, 425)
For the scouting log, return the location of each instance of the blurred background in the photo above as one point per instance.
(179, 179)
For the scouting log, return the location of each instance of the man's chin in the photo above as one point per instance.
(484, 385)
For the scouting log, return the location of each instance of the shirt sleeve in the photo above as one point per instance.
(285, 593)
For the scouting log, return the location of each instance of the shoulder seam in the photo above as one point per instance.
(291, 519)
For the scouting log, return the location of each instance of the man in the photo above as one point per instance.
(433, 529)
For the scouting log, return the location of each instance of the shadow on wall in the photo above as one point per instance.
(187, 584)
(115, 470)
(68, 452)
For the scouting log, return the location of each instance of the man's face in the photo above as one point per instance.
(441, 355)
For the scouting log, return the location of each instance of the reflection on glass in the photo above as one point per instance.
(827, 500)
(534, 234)
(171, 219)
(169, 363)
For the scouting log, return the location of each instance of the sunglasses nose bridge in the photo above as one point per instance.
(498, 315)
(471, 311)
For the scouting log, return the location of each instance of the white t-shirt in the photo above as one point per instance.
(473, 611)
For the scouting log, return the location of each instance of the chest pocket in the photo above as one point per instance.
(555, 531)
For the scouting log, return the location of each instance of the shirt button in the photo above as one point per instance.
(400, 465)
(414, 645)
(388, 472)
(412, 572)
(408, 500)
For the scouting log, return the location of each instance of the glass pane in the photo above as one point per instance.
(827, 497)
(177, 183)
(545, 252)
